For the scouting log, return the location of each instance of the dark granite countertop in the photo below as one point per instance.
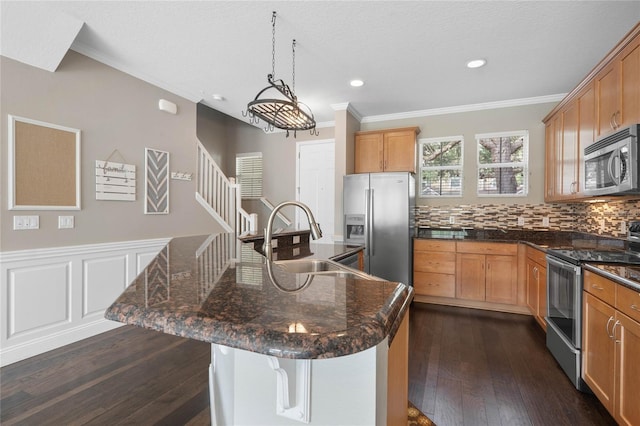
(195, 289)
(542, 240)
(628, 276)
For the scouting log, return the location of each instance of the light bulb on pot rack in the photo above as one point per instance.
(277, 104)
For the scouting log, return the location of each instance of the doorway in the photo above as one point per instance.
(315, 184)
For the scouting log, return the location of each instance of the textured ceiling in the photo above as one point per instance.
(411, 54)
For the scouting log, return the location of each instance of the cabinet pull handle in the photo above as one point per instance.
(611, 122)
(597, 287)
(635, 307)
(615, 122)
(608, 332)
(613, 331)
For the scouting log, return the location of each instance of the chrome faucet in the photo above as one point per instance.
(316, 232)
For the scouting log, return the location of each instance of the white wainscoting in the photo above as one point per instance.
(52, 297)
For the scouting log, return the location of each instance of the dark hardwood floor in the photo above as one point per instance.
(467, 367)
(472, 367)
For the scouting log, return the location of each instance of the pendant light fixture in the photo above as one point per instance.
(277, 104)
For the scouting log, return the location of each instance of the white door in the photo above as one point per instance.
(316, 185)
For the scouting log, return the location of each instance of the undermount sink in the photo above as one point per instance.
(321, 267)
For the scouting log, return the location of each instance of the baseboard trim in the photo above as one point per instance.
(497, 307)
(43, 344)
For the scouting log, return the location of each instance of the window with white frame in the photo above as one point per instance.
(503, 163)
(441, 166)
(249, 174)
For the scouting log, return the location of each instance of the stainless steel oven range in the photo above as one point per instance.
(564, 298)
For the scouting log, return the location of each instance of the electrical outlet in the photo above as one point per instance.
(452, 220)
(602, 225)
(623, 227)
(545, 221)
(520, 220)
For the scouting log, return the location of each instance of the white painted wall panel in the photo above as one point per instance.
(103, 281)
(56, 296)
(46, 290)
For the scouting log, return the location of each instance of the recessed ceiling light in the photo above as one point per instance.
(356, 83)
(476, 63)
(217, 97)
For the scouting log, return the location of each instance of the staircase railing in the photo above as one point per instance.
(220, 196)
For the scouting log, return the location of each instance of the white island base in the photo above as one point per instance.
(366, 388)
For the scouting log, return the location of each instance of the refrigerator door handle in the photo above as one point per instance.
(370, 222)
(366, 220)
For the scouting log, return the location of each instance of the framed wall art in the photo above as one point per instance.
(156, 189)
(44, 165)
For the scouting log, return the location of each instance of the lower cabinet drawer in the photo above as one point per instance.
(628, 301)
(430, 284)
(601, 287)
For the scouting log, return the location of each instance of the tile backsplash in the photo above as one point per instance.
(595, 218)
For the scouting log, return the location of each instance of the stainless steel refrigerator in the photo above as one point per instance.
(379, 213)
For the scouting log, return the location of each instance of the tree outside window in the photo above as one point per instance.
(441, 166)
(503, 163)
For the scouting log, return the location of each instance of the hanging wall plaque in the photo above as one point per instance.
(115, 181)
(157, 181)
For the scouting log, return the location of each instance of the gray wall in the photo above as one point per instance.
(114, 111)
(278, 161)
(468, 124)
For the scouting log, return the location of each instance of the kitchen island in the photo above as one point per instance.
(286, 349)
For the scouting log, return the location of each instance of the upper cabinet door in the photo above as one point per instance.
(369, 153)
(400, 151)
(608, 100)
(391, 150)
(630, 84)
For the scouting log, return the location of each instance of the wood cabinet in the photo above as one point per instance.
(611, 346)
(434, 268)
(607, 99)
(398, 375)
(536, 277)
(473, 274)
(392, 150)
(630, 83)
(618, 90)
(567, 133)
(598, 355)
(550, 159)
(487, 272)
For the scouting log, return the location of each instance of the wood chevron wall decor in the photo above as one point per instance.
(157, 182)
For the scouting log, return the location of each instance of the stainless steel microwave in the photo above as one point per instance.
(611, 164)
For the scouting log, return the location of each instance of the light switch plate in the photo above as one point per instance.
(65, 222)
(21, 223)
(545, 221)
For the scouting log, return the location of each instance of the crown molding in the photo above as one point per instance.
(466, 108)
(349, 108)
